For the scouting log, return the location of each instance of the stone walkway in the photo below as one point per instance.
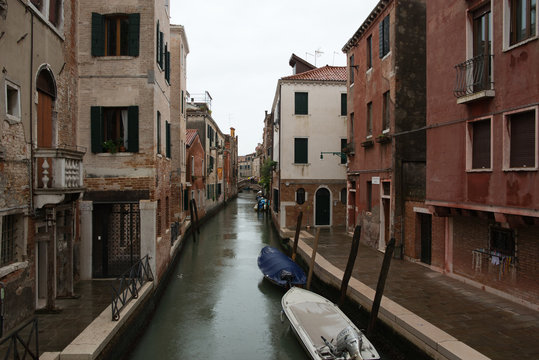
(494, 326)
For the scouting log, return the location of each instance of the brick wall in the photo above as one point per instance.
(520, 281)
(287, 194)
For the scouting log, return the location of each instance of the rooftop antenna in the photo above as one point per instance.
(317, 53)
(334, 52)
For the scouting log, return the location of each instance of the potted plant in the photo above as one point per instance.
(383, 138)
(121, 146)
(111, 146)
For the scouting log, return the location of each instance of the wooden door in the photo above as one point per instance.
(426, 237)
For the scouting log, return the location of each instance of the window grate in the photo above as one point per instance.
(8, 240)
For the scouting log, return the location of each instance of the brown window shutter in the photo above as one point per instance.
(481, 145)
(522, 139)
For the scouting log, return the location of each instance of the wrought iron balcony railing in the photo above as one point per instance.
(58, 170)
(473, 76)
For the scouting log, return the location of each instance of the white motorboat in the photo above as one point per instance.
(324, 330)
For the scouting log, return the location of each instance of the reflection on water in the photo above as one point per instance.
(216, 305)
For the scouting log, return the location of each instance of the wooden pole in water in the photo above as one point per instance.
(313, 256)
(350, 264)
(296, 237)
(196, 215)
(381, 284)
(192, 220)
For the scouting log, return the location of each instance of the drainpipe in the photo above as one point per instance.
(31, 102)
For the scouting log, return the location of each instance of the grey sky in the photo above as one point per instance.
(240, 48)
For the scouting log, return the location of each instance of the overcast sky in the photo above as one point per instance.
(240, 48)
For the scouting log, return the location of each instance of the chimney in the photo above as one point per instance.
(232, 131)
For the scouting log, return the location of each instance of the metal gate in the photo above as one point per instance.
(123, 248)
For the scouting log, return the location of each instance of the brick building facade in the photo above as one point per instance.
(386, 119)
(482, 131)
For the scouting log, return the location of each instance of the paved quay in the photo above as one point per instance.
(494, 326)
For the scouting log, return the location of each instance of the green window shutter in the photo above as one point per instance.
(161, 43)
(96, 113)
(381, 39)
(167, 134)
(343, 104)
(133, 35)
(132, 129)
(98, 35)
(301, 103)
(301, 150)
(158, 126)
(168, 66)
(183, 100)
(157, 43)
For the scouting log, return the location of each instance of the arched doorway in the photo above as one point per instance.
(322, 205)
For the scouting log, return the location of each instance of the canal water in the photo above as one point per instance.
(217, 305)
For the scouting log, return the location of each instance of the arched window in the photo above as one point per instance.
(343, 196)
(300, 196)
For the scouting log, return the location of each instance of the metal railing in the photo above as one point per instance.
(130, 283)
(474, 75)
(19, 343)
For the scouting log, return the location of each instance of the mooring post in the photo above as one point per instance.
(296, 237)
(196, 215)
(350, 264)
(191, 211)
(381, 284)
(313, 256)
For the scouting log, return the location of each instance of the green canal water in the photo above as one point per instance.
(217, 305)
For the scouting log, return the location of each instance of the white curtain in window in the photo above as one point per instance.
(124, 123)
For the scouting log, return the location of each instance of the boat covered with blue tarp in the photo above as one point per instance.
(280, 269)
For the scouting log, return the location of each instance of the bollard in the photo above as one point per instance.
(296, 237)
(196, 215)
(381, 284)
(350, 264)
(191, 211)
(313, 256)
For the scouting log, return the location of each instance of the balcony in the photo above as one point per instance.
(57, 173)
(474, 79)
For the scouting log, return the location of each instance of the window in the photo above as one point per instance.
(115, 35)
(343, 196)
(167, 139)
(13, 101)
(158, 128)
(383, 43)
(7, 246)
(369, 119)
(301, 103)
(479, 133)
(51, 9)
(386, 104)
(502, 240)
(114, 125)
(192, 166)
(301, 150)
(351, 69)
(343, 147)
(523, 20)
(522, 148)
(344, 104)
(300, 196)
(369, 52)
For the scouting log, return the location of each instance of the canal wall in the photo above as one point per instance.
(428, 338)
